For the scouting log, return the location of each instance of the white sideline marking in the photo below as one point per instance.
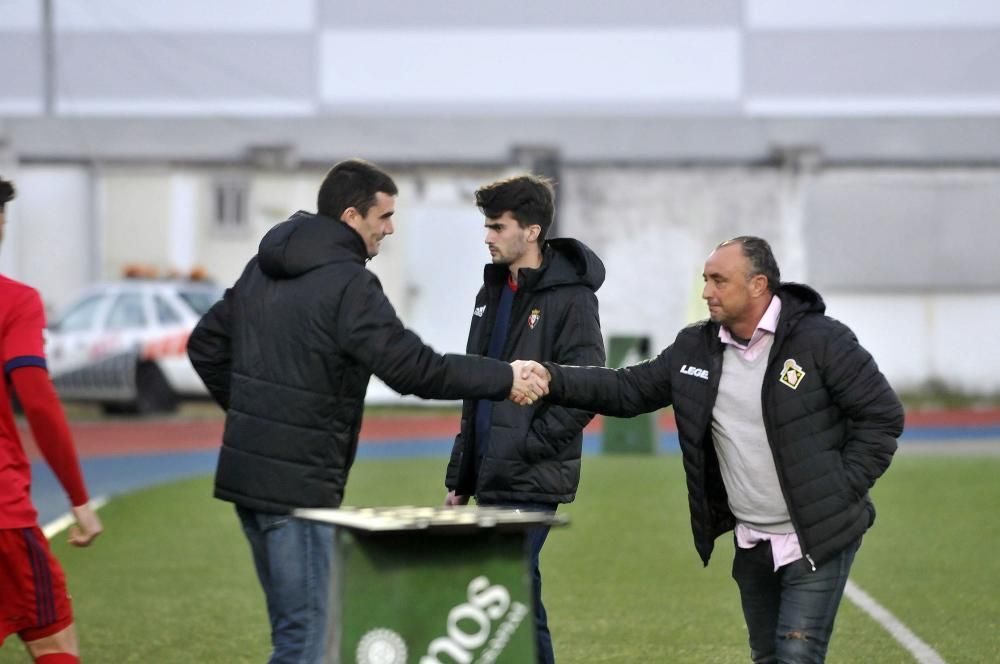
(923, 653)
(59, 524)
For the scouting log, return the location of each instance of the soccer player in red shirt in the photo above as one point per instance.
(34, 603)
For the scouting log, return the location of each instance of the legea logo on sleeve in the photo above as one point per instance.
(694, 371)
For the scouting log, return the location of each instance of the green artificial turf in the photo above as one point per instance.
(172, 580)
(931, 557)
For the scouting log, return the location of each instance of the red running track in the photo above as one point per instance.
(155, 436)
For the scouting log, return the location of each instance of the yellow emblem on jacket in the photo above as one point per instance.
(791, 374)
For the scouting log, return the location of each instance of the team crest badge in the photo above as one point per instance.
(536, 315)
(791, 374)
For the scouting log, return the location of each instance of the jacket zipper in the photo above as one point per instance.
(715, 367)
(774, 452)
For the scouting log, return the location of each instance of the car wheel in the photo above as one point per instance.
(153, 393)
(117, 408)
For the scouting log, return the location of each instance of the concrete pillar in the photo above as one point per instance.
(798, 168)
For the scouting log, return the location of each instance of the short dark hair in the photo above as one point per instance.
(529, 198)
(7, 192)
(762, 261)
(352, 183)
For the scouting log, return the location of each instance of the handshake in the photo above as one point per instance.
(531, 382)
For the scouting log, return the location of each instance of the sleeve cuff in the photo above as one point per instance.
(24, 361)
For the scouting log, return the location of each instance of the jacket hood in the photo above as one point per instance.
(797, 299)
(565, 262)
(307, 241)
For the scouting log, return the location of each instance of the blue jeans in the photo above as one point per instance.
(292, 557)
(534, 540)
(790, 612)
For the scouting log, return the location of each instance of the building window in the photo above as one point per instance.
(229, 202)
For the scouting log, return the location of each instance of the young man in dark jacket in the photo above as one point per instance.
(537, 302)
(288, 353)
(785, 423)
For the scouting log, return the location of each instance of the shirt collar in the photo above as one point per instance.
(767, 325)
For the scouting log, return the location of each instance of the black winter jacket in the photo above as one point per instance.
(832, 435)
(288, 353)
(534, 452)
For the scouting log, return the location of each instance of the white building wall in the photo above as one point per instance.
(138, 211)
(652, 226)
(163, 218)
(51, 241)
(183, 222)
(917, 337)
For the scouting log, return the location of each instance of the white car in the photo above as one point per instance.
(124, 344)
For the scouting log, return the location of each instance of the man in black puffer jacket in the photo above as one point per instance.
(537, 303)
(288, 353)
(785, 423)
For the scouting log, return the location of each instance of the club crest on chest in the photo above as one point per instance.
(533, 318)
(791, 374)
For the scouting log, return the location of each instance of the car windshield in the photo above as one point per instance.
(127, 313)
(200, 301)
(81, 316)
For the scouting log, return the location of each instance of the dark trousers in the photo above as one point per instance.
(790, 612)
(534, 540)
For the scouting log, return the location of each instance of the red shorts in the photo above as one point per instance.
(33, 602)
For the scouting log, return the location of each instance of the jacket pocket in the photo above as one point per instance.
(856, 491)
(844, 485)
(870, 506)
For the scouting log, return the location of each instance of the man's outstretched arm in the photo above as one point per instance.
(627, 392)
(51, 433)
(370, 331)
